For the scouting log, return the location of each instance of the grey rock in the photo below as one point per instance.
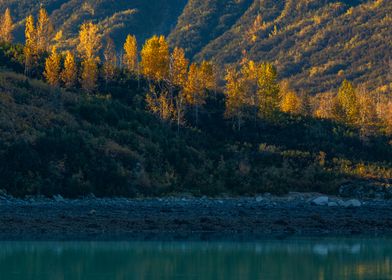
(352, 203)
(320, 201)
(90, 196)
(340, 202)
(259, 199)
(58, 198)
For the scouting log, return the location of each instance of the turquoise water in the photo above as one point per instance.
(273, 259)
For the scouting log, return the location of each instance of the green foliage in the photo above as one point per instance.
(54, 141)
(57, 141)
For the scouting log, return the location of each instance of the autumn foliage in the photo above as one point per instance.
(252, 89)
(124, 121)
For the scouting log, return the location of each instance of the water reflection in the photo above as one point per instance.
(270, 259)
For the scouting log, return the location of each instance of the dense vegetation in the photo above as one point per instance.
(154, 124)
(315, 44)
(144, 18)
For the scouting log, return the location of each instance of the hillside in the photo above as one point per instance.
(315, 44)
(73, 124)
(69, 142)
(115, 17)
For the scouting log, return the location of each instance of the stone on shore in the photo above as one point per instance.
(352, 203)
(320, 201)
(259, 199)
(58, 198)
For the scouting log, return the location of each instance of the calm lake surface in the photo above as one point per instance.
(271, 259)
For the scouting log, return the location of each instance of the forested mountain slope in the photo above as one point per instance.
(316, 44)
(115, 17)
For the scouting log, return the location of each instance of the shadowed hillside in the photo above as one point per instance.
(110, 143)
(147, 121)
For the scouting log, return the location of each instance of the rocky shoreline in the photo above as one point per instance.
(189, 217)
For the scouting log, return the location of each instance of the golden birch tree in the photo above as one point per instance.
(44, 31)
(290, 102)
(53, 68)
(234, 94)
(348, 103)
(268, 90)
(88, 48)
(178, 67)
(7, 26)
(155, 58)
(89, 75)
(69, 75)
(110, 60)
(30, 44)
(130, 59)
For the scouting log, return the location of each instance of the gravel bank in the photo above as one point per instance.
(188, 217)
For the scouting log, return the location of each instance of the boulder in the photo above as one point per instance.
(90, 196)
(352, 203)
(259, 199)
(58, 198)
(320, 201)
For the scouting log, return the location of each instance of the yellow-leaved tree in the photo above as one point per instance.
(290, 102)
(161, 104)
(44, 31)
(249, 86)
(53, 68)
(268, 90)
(241, 92)
(130, 59)
(88, 48)
(207, 75)
(386, 115)
(324, 105)
(155, 58)
(348, 109)
(178, 67)
(110, 62)
(89, 74)
(193, 91)
(235, 97)
(30, 48)
(89, 40)
(69, 75)
(6, 27)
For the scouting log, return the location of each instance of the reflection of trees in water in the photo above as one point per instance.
(276, 259)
